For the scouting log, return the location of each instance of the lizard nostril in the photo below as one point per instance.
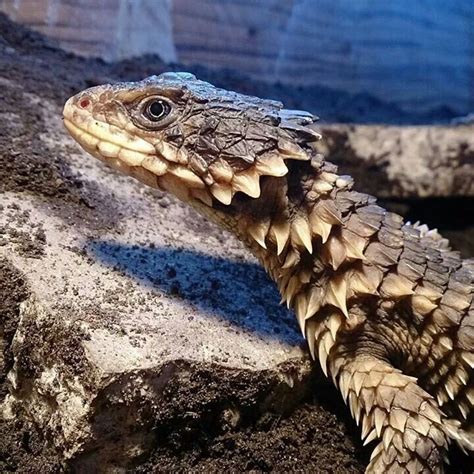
(84, 103)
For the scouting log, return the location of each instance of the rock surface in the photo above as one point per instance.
(404, 162)
(128, 289)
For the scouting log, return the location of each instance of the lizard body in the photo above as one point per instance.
(386, 306)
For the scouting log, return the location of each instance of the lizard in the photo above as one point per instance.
(386, 306)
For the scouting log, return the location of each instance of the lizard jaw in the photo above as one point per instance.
(156, 165)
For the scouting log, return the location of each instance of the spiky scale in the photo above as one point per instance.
(292, 259)
(446, 342)
(322, 187)
(334, 323)
(300, 309)
(291, 150)
(329, 177)
(379, 420)
(376, 452)
(433, 295)
(186, 175)
(470, 395)
(344, 381)
(464, 409)
(247, 182)
(222, 193)
(354, 244)
(311, 326)
(368, 396)
(281, 233)
(370, 437)
(388, 435)
(422, 304)
(422, 425)
(315, 297)
(259, 231)
(396, 286)
(272, 165)
(322, 356)
(429, 412)
(450, 390)
(373, 274)
(221, 171)
(398, 419)
(336, 293)
(367, 423)
(334, 252)
(360, 284)
(301, 233)
(319, 226)
(344, 181)
(293, 287)
(352, 401)
(357, 382)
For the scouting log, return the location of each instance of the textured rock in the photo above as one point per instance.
(404, 162)
(127, 293)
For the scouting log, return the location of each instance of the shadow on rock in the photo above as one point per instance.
(237, 291)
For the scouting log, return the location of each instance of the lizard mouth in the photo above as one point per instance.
(156, 165)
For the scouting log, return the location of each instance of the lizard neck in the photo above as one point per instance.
(316, 237)
(331, 250)
(296, 230)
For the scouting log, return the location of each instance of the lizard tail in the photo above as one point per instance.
(394, 409)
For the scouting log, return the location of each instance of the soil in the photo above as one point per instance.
(317, 434)
(302, 439)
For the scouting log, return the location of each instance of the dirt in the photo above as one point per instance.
(13, 291)
(247, 440)
(316, 434)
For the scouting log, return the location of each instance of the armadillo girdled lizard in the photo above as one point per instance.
(386, 306)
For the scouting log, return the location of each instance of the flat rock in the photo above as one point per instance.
(127, 288)
(404, 161)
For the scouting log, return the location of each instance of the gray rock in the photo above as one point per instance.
(404, 162)
(129, 292)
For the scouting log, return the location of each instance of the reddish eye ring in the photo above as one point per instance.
(84, 103)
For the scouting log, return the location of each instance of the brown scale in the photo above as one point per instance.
(348, 268)
(398, 278)
(437, 368)
(387, 308)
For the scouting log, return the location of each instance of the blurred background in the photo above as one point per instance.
(416, 55)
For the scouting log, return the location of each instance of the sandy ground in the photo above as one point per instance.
(313, 433)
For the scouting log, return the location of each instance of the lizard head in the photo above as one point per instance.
(208, 146)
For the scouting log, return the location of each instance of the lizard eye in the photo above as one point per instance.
(156, 110)
(152, 112)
